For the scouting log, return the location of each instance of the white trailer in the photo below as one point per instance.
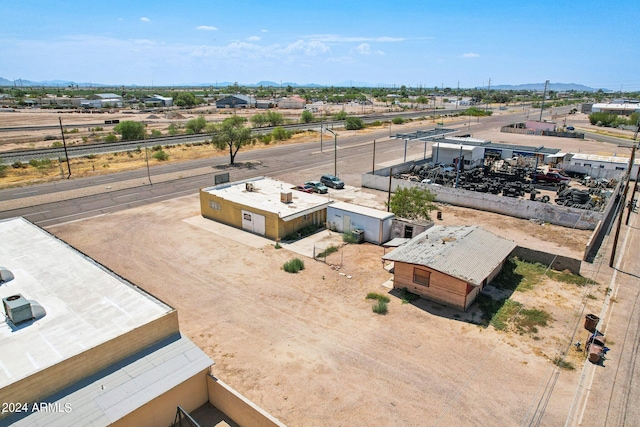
(376, 224)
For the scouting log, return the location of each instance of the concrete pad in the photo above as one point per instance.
(228, 232)
(320, 241)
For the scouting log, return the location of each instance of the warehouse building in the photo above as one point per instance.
(449, 265)
(264, 206)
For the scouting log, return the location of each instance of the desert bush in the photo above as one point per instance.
(293, 266)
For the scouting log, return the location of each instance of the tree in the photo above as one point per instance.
(274, 119)
(353, 123)
(258, 120)
(306, 117)
(195, 126)
(184, 99)
(232, 133)
(130, 130)
(412, 203)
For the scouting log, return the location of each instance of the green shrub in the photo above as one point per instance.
(398, 120)
(293, 266)
(563, 364)
(349, 237)
(3, 170)
(353, 123)
(56, 144)
(18, 165)
(155, 133)
(340, 115)
(156, 147)
(331, 249)
(407, 296)
(160, 155)
(380, 307)
(377, 296)
(110, 138)
(280, 134)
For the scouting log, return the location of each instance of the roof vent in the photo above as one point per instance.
(5, 275)
(286, 197)
(17, 308)
(249, 186)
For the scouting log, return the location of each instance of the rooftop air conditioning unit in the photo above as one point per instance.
(17, 308)
(286, 197)
(5, 275)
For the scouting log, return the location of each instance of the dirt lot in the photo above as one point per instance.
(308, 348)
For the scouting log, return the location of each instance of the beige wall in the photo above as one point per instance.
(67, 372)
(442, 288)
(230, 213)
(161, 411)
(237, 407)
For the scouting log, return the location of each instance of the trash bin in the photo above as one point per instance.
(591, 322)
(439, 214)
(359, 235)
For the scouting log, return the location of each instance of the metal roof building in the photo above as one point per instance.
(449, 264)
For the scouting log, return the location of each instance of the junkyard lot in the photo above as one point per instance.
(308, 348)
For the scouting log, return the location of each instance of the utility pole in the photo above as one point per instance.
(146, 152)
(64, 144)
(635, 184)
(373, 165)
(489, 94)
(622, 205)
(544, 96)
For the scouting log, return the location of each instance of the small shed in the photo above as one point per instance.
(376, 224)
(449, 265)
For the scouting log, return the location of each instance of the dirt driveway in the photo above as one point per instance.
(308, 348)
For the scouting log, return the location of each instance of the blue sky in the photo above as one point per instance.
(414, 43)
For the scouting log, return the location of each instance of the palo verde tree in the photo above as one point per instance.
(232, 133)
(195, 126)
(130, 130)
(412, 203)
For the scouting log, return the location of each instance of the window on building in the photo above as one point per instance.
(601, 166)
(578, 164)
(466, 162)
(421, 277)
(618, 168)
(587, 165)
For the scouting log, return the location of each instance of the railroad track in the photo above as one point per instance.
(9, 157)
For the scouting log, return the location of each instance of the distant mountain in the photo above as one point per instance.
(558, 87)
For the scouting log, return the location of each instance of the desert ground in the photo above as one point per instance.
(308, 348)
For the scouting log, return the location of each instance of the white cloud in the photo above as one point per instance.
(365, 49)
(253, 39)
(207, 28)
(264, 31)
(145, 19)
(470, 55)
(335, 38)
(311, 48)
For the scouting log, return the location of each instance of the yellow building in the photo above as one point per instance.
(264, 206)
(80, 345)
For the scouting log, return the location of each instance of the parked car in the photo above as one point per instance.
(571, 128)
(551, 178)
(332, 181)
(305, 188)
(318, 187)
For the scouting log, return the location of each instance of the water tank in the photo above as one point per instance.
(17, 308)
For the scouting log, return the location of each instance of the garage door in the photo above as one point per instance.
(253, 222)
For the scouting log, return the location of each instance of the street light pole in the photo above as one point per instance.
(335, 152)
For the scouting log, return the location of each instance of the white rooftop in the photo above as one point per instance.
(456, 146)
(362, 210)
(265, 196)
(86, 304)
(599, 158)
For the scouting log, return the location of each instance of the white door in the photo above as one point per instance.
(253, 222)
(346, 223)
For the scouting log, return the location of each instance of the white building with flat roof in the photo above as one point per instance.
(80, 345)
